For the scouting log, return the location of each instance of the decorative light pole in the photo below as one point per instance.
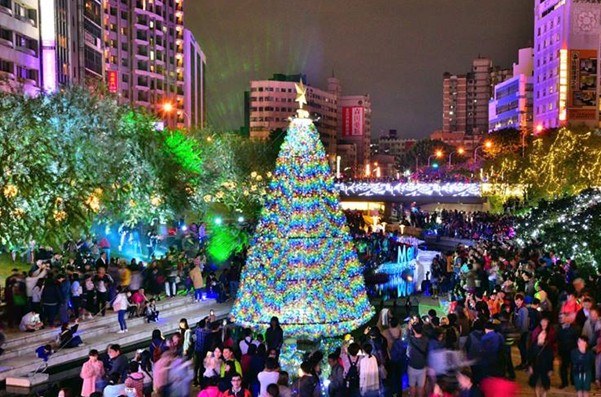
(438, 154)
(169, 108)
(459, 151)
(487, 145)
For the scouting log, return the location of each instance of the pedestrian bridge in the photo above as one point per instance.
(443, 192)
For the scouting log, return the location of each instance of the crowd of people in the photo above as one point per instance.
(57, 291)
(501, 299)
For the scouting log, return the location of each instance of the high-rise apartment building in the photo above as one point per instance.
(194, 81)
(454, 102)
(566, 56)
(19, 45)
(465, 97)
(139, 48)
(353, 128)
(511, 106)
(144, 54)
(72, 43)
(272, 102)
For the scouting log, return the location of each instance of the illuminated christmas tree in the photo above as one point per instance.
(302, 266)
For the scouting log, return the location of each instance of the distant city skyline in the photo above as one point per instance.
(394, 51)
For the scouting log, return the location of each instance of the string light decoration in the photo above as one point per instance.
(569, 226)
(566, 162)
(301, 264)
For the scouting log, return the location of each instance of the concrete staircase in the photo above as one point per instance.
(19, 358)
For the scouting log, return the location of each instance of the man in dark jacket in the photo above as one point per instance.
(63, 308)
(336, 387)
(567, 339)
(492, 345)
(51, 299)
(522, 323)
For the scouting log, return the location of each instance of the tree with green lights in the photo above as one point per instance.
(301, 265)
(569, 226)
(73, 157)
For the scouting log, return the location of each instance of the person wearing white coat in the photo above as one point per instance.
(369, 374)
(120, 305)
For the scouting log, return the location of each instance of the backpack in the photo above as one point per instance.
(351, 380)
(533, 319)
(398, 351)
(473, 346)
(157, 352)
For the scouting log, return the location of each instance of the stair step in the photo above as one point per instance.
(28, 362)
(18, 339)
(99, 329)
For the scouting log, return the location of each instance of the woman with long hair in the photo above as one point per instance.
(36, 295)
(186, 338)
(540, 358)
(158, 345)
(275, 334)
(212, 364)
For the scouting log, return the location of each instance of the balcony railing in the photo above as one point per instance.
(6, 42)
(26, 50)
(5, 9)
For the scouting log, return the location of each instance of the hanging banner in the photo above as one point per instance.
(353, 121)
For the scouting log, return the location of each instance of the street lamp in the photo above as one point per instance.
(168, 108)
(459, 151)
(438, 154)
(487, 145)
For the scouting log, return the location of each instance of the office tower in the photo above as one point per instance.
(566, 48)
(511, 106)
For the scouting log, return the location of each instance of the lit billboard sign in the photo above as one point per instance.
(112, 81)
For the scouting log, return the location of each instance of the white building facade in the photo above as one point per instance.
(20, 49)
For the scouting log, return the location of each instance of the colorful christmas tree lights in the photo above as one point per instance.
(302, 266)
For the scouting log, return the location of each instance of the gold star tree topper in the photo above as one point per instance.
(301, 98)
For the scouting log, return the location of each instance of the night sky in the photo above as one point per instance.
(394, 50)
